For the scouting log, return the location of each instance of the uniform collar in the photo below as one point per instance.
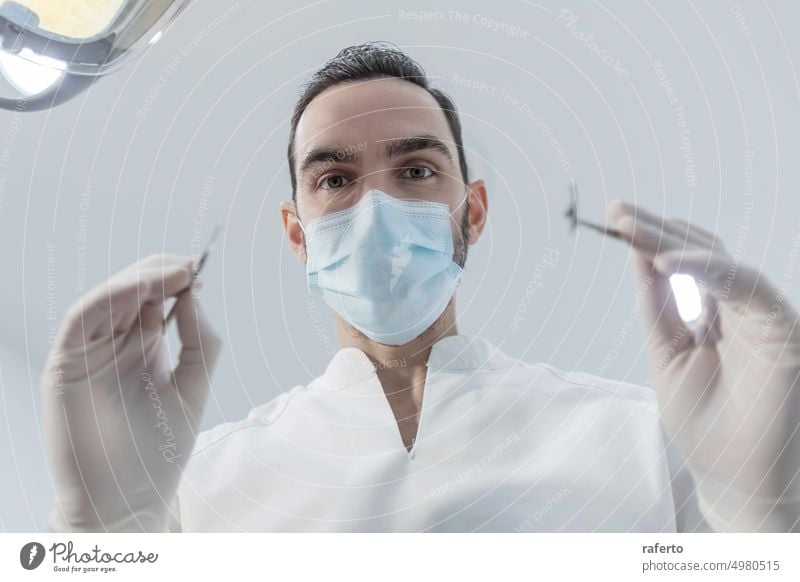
(350, 367)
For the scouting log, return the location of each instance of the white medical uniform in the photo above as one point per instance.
(502, 446)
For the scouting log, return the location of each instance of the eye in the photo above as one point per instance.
(417, 172)
(334, 182)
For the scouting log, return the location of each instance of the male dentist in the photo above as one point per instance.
(413, 426)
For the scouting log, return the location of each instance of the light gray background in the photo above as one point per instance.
(203, 118)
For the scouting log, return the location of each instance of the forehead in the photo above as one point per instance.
(370, 111)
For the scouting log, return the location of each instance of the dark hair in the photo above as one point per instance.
(370, 61)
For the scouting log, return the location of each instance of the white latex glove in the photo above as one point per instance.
(728, 394)
(119, 424)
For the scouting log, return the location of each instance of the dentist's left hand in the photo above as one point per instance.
(120, 423)
(729, 392)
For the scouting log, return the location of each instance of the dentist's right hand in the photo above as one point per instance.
(120, 423)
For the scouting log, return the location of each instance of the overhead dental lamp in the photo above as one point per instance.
(51, 50)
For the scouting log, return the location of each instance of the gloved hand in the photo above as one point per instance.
(119, 422)
(728, 393)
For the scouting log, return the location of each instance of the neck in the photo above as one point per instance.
(402, 370)
(398, 360)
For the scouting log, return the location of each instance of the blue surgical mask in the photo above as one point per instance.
(385, 265)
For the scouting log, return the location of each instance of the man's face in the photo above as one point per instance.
(385, 134)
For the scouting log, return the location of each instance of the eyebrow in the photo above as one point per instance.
(328, 156)
(399, 146)
(426, 141)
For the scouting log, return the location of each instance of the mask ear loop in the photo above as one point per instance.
(299, 221)
(463, 200)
